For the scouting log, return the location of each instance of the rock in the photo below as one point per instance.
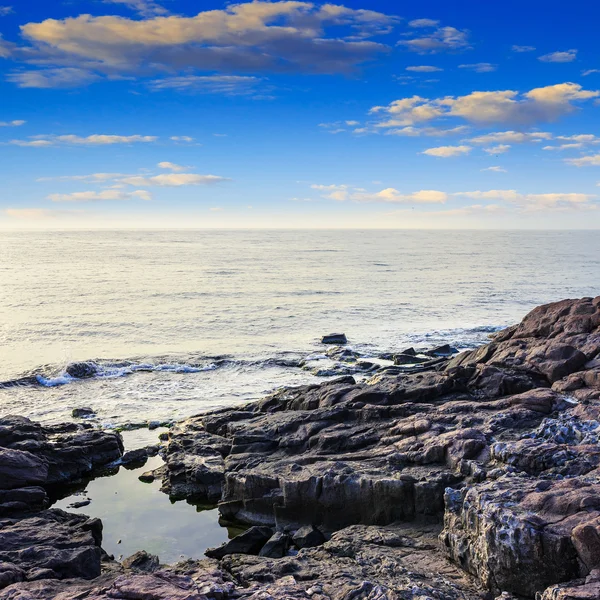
(80, 504)
(409, 359)
(62, 544)
(82, 370)
(142, 561)
(445, 350)
(135, 458)
(308, 537)
(83, 413)
(20, 468)
(277, 546)
(249, 542)
(334, 338)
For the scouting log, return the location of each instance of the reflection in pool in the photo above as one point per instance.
(138, 516)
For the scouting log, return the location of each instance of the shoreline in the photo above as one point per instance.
(480, 470)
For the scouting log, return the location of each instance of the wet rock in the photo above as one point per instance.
(82, 370)
(409, 359)
(83, 412)
(250, 542)
(142, 561)
(445, 350)
(308, 537)
(135, 458)
(334, 338)
(20, 468)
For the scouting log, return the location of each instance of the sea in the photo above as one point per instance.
(175, 323)
(179, 322)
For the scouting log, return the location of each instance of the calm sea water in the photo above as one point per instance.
(178, 322)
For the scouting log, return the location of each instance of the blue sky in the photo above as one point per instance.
(429, 114)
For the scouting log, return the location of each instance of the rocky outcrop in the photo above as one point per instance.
(35, 460)
(478, 471)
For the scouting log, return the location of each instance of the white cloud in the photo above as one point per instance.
(93, 178)
(517, 48)
(495, 169)
(342, 193)
(427, 131)
(182, 138)
(230, 85)
(584, 138)
(559, 57)
(564, 147)
(424, 69)
(172, 166)
(16, 123)
(60, 77)
(448, 151)
(172, 180)
(443, 39)
(482, 67)
(499, 149)
(487, 108)
(511, 137)
(536, 202)
(90, 140)
(590, 72)
(423, 23)
(259, 36)
(584, 161)
(106, 195)
(145, 8)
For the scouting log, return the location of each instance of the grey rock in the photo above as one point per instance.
(334, 338)
(308, 537)
(250, 542)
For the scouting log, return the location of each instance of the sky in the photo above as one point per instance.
(290, 114)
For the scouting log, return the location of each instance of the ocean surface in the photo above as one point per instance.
(178, 322)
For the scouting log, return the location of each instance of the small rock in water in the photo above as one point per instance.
(334, 338)
(83, 412)
(408, 359)
(147, 477)
(82, 370)
(81, 503)
(445, 350)
(142, 561)
(135, 457)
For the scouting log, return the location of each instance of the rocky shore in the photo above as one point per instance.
(469, 477)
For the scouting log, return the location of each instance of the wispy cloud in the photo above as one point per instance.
(16, 123)
(145, 8)
(559, 57)
(105, 195)
(230, 85)
(172, 180)
(35, 214)
(536, 202)
(517, 48)
(448, 151)
(60, 77)
(482, 67)
(584, 161)
(90, 140)
(495, 169)
(172, 167)
(442, 39)
(499, 149)
(589, 72)
(424, 69)
(6, 10)
(344, 192)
